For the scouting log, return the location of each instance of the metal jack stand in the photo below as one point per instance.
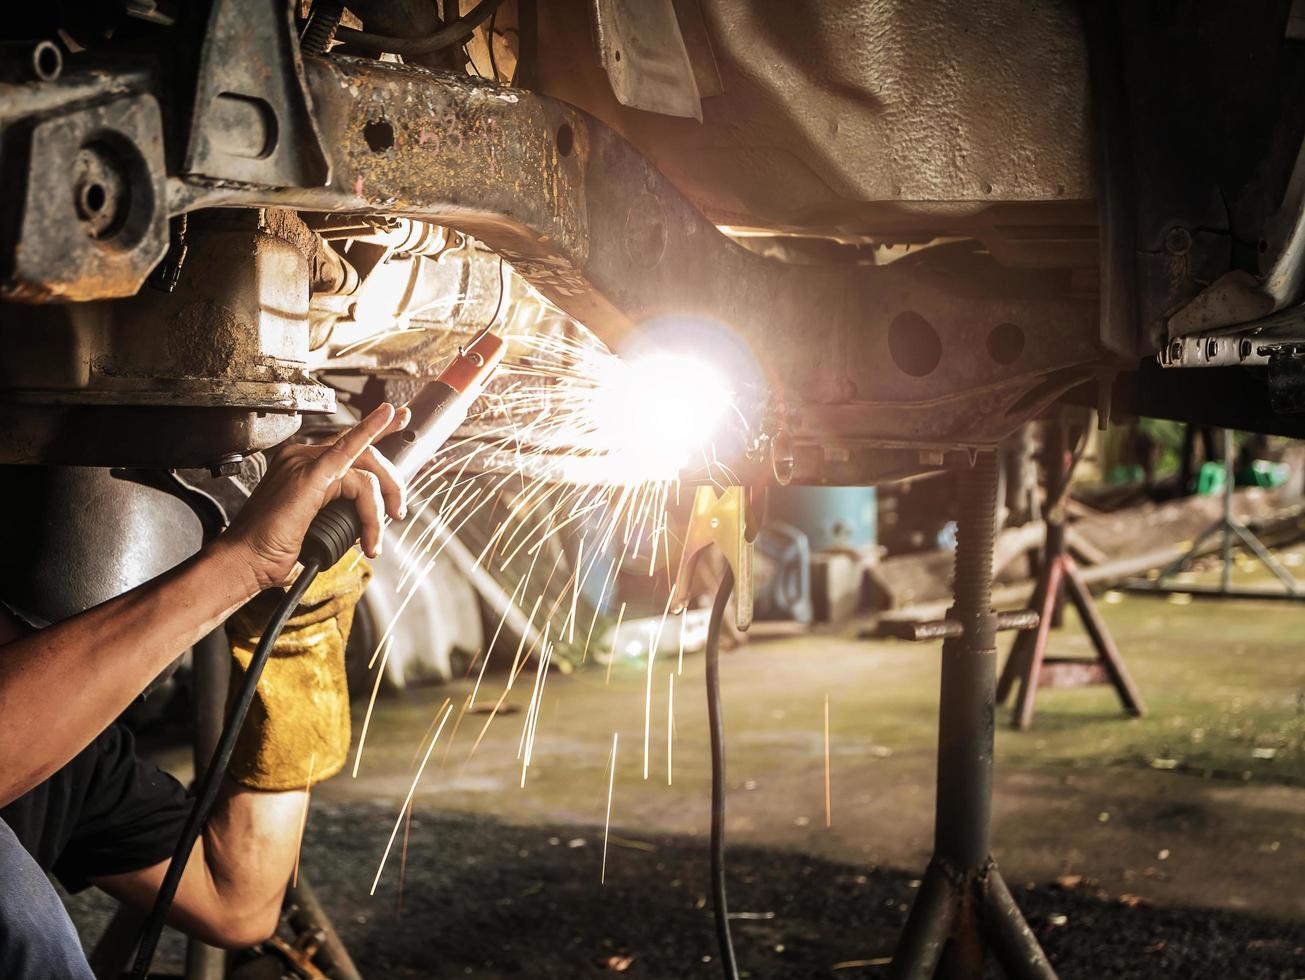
(1229, 527)
(964, 906)
(1028, 662)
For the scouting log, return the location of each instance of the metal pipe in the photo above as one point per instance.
(1225, 550)
(1011, 938)
(963, 817)
(948, 629)
(113, 950)
(925, 935)
(1056, 461)
(307, 915)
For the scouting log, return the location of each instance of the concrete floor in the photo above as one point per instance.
(1201, 803)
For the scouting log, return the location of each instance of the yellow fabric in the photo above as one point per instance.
(297, 730)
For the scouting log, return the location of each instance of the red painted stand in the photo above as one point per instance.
(1028, 663)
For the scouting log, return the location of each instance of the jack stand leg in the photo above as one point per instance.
(1230, 530)
(1012, 940)
(1107, 653)
(963, 906)
(1028, 663)
(1031, 666)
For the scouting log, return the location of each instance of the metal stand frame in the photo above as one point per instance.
(1229, 527)
(1059, 574)
(963, 906)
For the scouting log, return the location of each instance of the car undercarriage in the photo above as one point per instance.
(902, 229)
(926, 224)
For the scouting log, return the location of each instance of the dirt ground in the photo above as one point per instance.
(496, 901)
(1172, 845)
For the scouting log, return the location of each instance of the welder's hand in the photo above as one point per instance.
(303, 479)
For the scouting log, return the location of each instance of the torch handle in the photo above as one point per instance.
(437, 410)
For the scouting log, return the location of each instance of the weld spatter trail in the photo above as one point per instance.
(562, 479)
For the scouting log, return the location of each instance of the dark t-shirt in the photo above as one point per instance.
(106, 812)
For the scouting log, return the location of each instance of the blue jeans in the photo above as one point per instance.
(37, 939)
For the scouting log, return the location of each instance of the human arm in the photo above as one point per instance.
(297, 734)
(231, 891)
(87, 669)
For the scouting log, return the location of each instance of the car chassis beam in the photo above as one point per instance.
(943, 350)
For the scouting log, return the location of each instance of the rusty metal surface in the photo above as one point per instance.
(238, 339)
(93, 213)
(592, 224)
(1061, 672)
(252, 119)
(213, 369)
(644, 55)
(861, 116)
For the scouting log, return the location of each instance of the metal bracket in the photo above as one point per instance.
(719, 519)
(94, 216)
(643, 52)
(253, 121)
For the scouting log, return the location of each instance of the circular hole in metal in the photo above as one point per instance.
(914, 344)
(47, 61)
(1005, 343)
(102, 189)
(111, 188)
(565, 139)
(94, 197)
(379, 135)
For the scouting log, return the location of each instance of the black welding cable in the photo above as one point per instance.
(716, 727)
(453, 33)
(217, 767)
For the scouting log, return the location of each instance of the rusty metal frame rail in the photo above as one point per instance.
(941, 350)
(601, 233)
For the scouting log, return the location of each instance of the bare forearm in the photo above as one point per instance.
(230, 894)
(86, 670)
(250, 846)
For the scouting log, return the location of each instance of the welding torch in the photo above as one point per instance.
(438, 409)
